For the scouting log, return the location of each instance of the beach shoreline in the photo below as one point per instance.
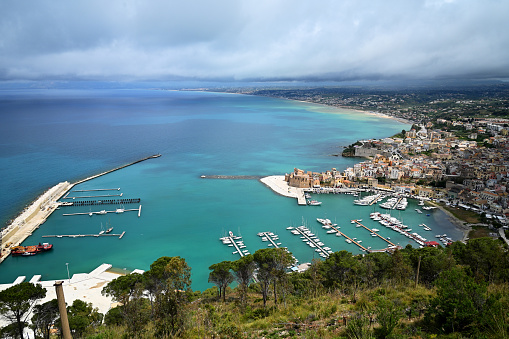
(460, 224)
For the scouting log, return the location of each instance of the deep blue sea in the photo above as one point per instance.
(53, 135)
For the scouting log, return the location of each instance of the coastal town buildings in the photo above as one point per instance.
(430, 163)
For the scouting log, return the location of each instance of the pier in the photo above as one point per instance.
(270, 237)
(373, 232)
(309, 238)
(85, 235)
(98, 189)
(235, 241)
(102, 202)
(232, 177)
(397, 202)
(105, 212)
(375, 199)
(347, 237)
(95, 196)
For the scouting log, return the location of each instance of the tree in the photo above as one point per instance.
(128, 290)
(271, 263)
(282, 260)
(243, 270)
(341, 269)
(400, 270)
(433, 262)
(459, 303)
(44, 317)
(16, 302)
(82, 315)
(173, 277)
(221, 276)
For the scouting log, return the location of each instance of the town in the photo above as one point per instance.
(432, 163)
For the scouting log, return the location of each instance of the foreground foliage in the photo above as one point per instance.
(457, 292)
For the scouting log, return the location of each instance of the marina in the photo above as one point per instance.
(101, 202)
(393, 223)
(338, 233)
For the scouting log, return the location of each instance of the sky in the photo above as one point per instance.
(254, 40)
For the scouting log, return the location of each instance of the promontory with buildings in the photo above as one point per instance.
(431, 162)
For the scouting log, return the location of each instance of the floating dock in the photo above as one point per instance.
(373, 232)
(270, 237)
(118, 211)
(98, 189)
(396, 203)
(375, 200)
(95, 196)
(85, 235)
(311, 240)
(235, 241)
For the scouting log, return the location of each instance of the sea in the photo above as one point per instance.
(52, 135)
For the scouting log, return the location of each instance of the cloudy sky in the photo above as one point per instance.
(254, 39)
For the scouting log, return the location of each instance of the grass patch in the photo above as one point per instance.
(479, 232)
(464, 215)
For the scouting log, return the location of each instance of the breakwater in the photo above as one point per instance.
(116, 169)
(36, 214)
(240, 177)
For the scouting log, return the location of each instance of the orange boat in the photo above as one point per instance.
(30, 250)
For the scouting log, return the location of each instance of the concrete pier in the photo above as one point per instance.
(37, 213)
(278, 184)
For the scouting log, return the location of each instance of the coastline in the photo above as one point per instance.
(32, 217)
(460, 225)
(377, 114)
(41, 208)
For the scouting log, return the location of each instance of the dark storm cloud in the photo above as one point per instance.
(262, 39)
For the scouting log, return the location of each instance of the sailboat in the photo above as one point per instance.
(102, 229)
(121, 209)
(109, 229)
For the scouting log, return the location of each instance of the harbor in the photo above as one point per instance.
(39, 211)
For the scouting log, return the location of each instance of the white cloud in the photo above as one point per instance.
(253, 39)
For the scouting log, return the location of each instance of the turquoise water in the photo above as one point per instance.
(57, 135)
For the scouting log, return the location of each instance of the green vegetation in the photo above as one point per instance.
(461, 291)
(464, 215)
